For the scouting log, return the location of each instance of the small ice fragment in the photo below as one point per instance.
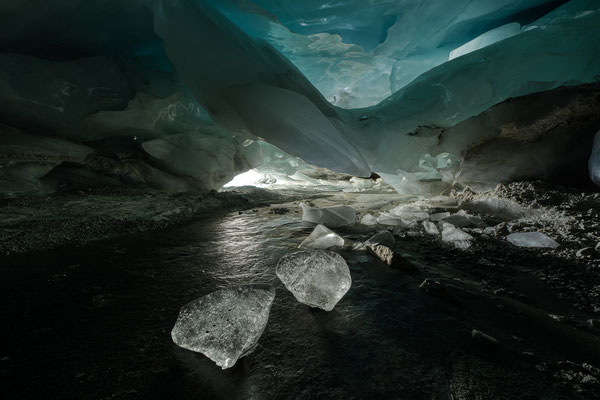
(410, 212)
(463, 220)
(458, 238)
(384, 238)
(389, 219)
(225, 325)
(322, 238)
(439, 216)
(531, 239)
(489, 231)
(333, 217)
(430, 228)
(317, 278)
(368, 219)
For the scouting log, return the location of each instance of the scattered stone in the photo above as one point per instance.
(317, 278)
(585, 252)
(279, 210)
(558, 318)
(595, 323)
(225, 325)
(389, 256)
(531, 239)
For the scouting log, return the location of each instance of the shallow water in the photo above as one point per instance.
(95, 322)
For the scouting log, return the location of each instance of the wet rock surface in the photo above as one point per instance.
(394, 335)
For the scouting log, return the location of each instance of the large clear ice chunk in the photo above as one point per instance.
(322, 238)
(225, 325)
(317, 278)
(332, 217)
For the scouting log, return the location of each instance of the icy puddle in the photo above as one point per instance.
(96, 323)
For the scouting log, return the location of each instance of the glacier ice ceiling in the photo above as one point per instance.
(186, 94)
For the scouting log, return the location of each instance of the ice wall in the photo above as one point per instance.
(254, 91)
(185, 94)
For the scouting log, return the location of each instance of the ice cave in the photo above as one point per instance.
(300, 199)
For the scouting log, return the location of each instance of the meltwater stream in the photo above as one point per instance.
(95, 323)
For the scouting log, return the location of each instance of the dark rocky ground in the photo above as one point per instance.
(91, 318)
(39, 223)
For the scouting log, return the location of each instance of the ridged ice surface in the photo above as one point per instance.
(225, 325)
(316, 278)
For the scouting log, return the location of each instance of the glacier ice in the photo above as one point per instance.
(349, 49)
(255, 92)
(207, 158)
(353, 86)
(531, 239)
(317, 278)
(594, 161)
(443, 96)
(490, 37)
(225, 325)
(322, 238)
(332, 217)
(56, 96)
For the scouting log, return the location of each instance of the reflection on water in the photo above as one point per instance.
(95, 322)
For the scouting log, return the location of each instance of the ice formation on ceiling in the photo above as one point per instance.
(185, 94)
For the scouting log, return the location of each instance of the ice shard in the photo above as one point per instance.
(456, 236)
(322, 238)
(225, 325)
(317, 278)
